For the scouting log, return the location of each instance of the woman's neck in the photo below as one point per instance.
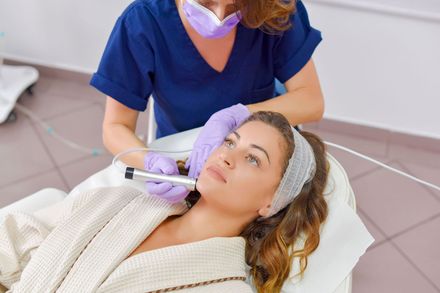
(202, 222)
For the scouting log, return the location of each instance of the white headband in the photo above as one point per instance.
(301, 169)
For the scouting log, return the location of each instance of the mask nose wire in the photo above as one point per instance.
(220, 17)
(224, 13)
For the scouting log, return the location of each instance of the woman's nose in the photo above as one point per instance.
(226, 159)
(219, 11)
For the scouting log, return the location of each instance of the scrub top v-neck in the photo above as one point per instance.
(150, 52)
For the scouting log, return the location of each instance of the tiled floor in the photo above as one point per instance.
(402, 215)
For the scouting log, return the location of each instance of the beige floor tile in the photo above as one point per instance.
(385, 270)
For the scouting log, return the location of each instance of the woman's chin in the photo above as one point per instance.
(202, 186)
(207, 185)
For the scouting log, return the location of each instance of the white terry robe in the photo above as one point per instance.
(86, 248)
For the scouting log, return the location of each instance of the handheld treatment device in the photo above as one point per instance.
(142, 175)
(190, 183)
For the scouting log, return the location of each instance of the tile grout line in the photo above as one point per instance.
(376, 226)
(421, 223)
(408, 229)
(81, 159)
(389, 238)
(377, 134)
(391, 241)
(404, 231)
(57, 168)
(51, 157)
(38, 173)
(387, 145)
(73, 110)
(27, 178)
(414, 265)
(46, 171)
(407, 170)
(368, 172)
(83, 80)
(369, 155)
(374, 245)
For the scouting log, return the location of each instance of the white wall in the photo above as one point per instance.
(376, 68)
(380, 69)
(64, 34)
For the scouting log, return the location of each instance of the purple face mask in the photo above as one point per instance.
(206, 23)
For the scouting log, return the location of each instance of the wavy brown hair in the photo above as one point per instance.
(271, 16)
(293, 232)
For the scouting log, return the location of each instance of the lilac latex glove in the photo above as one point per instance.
(161, 164)
(219, 125)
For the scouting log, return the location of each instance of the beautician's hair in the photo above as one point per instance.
(271, 16)
(272, 243)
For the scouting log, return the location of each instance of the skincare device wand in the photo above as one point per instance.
(136, 174)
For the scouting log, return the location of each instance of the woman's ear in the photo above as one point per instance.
(264, 211)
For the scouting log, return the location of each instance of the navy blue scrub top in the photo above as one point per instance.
(150, 52)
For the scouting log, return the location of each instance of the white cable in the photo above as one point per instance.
(2, 35)
(97, 151)
(383, 165)
(132, 150)
(51, 131)
(94, 151)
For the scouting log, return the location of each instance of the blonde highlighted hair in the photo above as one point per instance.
(272, 243)
(271, 16)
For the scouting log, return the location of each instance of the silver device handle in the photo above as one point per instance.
(137, 174)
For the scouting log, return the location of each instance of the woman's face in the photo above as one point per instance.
(241, 176)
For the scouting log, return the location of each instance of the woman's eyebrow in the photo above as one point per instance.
(254, 146)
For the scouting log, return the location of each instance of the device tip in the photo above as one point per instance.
(129, 172)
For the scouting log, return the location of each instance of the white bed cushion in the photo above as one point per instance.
(34, 202)
(344, 237)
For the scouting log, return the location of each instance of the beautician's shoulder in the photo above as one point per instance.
(299, 22)
(143, 18)
(144, 11)
(136, 13)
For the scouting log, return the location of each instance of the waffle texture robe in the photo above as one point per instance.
(82, 245)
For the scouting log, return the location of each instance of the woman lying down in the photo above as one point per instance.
(260, 192)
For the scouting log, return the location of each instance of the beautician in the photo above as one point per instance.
(206, 62)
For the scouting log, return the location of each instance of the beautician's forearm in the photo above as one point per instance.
(299, 106)
(117, 138)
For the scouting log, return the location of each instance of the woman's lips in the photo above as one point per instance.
(216, 172)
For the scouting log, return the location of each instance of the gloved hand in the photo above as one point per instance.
(219, 125)
(157, 163)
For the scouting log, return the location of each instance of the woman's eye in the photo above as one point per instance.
(229, 143)
(253, 160)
